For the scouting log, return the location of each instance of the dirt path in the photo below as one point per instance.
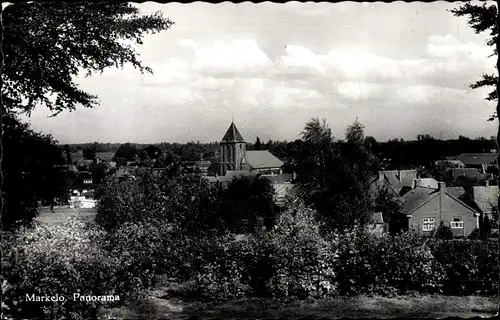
(161, 306)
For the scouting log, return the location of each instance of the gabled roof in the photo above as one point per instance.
(279, 178)
(262, 159)
(466, 172)
(417, 197)
(232, 135)
(426, 183)
(379, 183)
(457, 192)
(477, 158)
(451, 163)
(486, 198)
(407, 176)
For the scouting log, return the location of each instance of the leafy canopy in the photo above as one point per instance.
(46, 45)
(482, 18)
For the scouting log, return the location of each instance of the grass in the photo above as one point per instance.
(60, 215)
(173, 304)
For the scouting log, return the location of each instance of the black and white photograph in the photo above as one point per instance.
(296, 160)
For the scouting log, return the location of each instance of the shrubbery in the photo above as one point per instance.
(63, 260)
(471, 267)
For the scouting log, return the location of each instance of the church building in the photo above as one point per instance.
(234, 156)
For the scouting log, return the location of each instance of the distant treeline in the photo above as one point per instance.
(395, 153)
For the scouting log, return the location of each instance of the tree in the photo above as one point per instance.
(89, 153)
(31, 168)
(40, 70)
(44, 47)
(245, 202)
(127, 151)
(329, 182)
(67, 152)
(257, 145)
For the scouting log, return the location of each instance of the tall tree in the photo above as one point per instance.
(31, 168)
(44, 47)
(88, 36)
(258, 145)
(328, 180)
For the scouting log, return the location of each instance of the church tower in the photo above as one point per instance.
(232, 150)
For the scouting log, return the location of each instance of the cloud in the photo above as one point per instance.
(238, 56)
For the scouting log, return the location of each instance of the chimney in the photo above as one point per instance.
(442, 189)
(381, 175)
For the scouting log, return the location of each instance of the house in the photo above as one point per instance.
(478, 160)
(450, 163)
(395, 181)
(376, 225)
(384, 182)
(471, 173)
(486, 199)
(426, 207)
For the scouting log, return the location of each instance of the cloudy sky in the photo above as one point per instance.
(400, 68)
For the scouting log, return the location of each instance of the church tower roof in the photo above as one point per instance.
(232, 135)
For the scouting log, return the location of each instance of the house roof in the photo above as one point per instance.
(451, 163)
(457, 192)
(279, 178)
(230, 174)
(377, 185)
(467, 172)
(377, 218)
(261, 159)
(407, 176)
(417, 197)
(486, 198)
(232, 134)
(477, 158)
(426, 183)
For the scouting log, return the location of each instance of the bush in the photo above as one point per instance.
(386, 266)
(67, 259)
(471, 267)
(293, 260)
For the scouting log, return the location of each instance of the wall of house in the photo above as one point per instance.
(450, 209)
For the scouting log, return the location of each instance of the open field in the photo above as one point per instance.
(60, 215)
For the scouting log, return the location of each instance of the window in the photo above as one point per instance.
(87, 181)
(428, 224)
(457, 223)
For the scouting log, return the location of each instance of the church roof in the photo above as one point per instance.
(232, 135)
(262, 159)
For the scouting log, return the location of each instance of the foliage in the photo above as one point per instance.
(333, 176)
(293, 260)
(482, 18)
(57, 260)
(245, 203)
(471, 267)
(186, 201)
(443, 232)
(386, 265)
(126, 151)
(42, 69)
(31, 171)
(89, 153)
